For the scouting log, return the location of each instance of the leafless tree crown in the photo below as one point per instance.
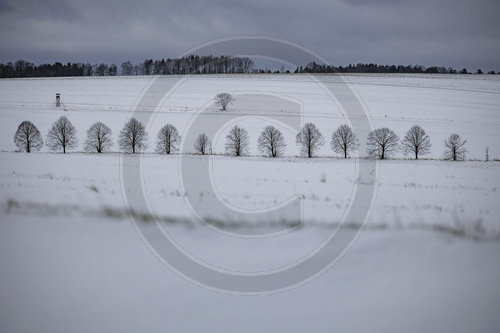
(309, 140)
(62, 135)
(223, 100)
(237, 141)
(28, 137)
(133, 137)
(201, 144)
(416, 142)
(455, 148)
(271, 142)
(168, 140)
(382, 143)
(98, 138)
(344, 140)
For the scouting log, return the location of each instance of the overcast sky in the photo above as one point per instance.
(454, 33)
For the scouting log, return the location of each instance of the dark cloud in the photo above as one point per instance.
(447, 32)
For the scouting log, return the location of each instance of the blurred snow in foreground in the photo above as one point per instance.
(427, 261)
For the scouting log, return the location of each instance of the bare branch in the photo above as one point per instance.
(28, 137)
(416, 141)
(133, 137)
(168, 140)
(201, 144)
(223, 100)
(98, 138)
(62, 135)
(271, 142)
(382, 143)
(344, 140)
(455, 148)
(309, 140)
(237, 141)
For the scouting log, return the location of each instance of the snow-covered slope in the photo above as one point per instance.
(441, 104)
(427, 259)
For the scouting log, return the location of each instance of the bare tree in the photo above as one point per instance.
(309, 140)
(237, 141)
(416, 141)
(455, 148)
(127, 68)
(223, 100)
(133, 136)
(168, 139)
(382, 143)
(101, 69)
(271, 142)
(201, 144)
(112, 70)
(62, 135)
(98, 138)
(28, 137)
(344, 140)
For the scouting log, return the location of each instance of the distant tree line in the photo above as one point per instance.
(186, 65)
(194, 64)
(313, 67)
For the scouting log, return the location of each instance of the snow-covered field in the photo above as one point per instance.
(427, 260)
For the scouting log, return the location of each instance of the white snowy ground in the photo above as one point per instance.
(428, 259)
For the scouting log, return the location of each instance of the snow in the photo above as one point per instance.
(441, 104)
(427, 260)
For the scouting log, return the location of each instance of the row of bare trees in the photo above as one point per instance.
(382, 143)
(192, 64)
(62, 137)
